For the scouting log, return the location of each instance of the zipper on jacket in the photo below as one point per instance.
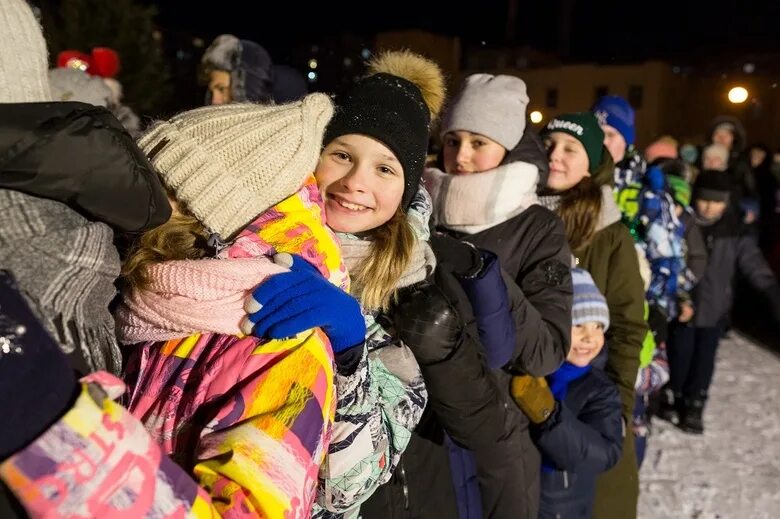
(404, 485)
(565, 479)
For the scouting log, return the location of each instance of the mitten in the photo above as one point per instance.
(533, 396)
(291, 302)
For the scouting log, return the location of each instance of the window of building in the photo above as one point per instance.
(635, 96)
(551, 99)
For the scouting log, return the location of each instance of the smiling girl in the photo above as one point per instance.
(579, 189)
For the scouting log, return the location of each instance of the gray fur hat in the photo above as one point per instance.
(249, 64)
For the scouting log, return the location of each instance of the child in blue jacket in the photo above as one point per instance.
(576, 411)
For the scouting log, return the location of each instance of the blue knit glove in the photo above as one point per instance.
(291, 302)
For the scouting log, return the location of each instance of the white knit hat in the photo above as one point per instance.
(229, 163)
(493, 106)
(24, 68)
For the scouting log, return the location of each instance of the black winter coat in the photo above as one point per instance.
(696, 257)
(730, 247)
(468, 402)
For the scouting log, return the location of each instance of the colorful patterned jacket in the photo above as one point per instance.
(649, 212)
(247, 420)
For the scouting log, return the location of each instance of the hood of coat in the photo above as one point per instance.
(250, 67)
(531, 150)
(740, 135)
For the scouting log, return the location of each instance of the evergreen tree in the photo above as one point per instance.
(123, 25)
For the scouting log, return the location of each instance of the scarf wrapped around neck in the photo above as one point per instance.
(66, 267)
(207, 295)
(473, 203)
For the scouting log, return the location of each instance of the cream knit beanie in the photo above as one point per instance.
(230, 163)
(493, 106)
(24, 70)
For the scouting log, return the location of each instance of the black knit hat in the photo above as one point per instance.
(713, 185)
(393, 111)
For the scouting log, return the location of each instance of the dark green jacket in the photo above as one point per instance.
(612, 261)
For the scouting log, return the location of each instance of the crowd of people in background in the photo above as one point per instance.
(282, 305)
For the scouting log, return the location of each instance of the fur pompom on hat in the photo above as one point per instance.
(394, 104)
(230, 163)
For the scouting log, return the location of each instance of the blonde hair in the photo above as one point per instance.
(375, 281)
(181, 237)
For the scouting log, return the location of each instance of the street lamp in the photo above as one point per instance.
(536, 117)
(738, 95)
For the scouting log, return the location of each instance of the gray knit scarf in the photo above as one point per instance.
(65, 266)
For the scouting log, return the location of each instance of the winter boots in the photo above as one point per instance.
(686, 413)
(691, 419)
(669, 406)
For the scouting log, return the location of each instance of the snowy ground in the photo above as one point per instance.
(733, 470)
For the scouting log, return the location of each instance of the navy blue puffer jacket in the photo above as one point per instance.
(582, 438)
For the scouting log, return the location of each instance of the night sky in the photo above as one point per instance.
(601, 30)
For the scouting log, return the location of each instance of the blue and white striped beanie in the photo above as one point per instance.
(589, 304)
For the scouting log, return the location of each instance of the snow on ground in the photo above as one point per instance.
(733, 470)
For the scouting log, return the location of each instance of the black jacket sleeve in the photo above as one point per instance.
(80, 155)
(756, 270)
(591, 441)
(541, 299)
(435, 322)
(697, 251)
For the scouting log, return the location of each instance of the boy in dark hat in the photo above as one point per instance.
(692, 345)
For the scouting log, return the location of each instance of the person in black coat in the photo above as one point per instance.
(730, 247)
(485, 193)
(576, 411)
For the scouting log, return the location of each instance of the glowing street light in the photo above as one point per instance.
(738, 95)
(536, 117)
(312, 63)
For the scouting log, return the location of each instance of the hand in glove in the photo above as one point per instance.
(291, 302)
(36, 380)
(533, 396)
(464, 259)
(426, 322)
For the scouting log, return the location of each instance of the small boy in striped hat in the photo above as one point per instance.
(576, 411)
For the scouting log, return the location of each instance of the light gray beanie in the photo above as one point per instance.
(24, 68)
(493, 106)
